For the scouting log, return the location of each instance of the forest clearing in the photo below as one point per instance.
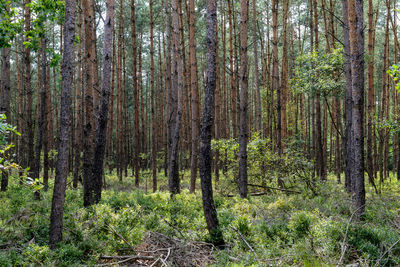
(199, 133)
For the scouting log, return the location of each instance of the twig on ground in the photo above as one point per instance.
(344, 247)
(244, 240)
(386, 252)
(123, 259)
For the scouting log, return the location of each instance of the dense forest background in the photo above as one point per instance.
(183, 132)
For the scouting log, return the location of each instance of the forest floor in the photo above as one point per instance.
(132, 227)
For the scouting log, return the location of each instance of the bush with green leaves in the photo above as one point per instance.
(265, 165)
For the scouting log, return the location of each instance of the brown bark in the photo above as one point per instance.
(244, 79)
(176, 102)
(152, 100)
(57, 208)
(88, 132)
(356, 35)
(194, 97)
(101, 131)
(210, 211)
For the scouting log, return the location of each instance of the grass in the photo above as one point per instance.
(282, 229)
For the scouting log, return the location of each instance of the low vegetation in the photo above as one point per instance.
(279, 228)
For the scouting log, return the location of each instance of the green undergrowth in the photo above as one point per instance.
(282, 229)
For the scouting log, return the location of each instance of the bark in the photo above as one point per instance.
(135, 97)
(244, 79)
(57, 208)
(29, 133)
(256, 71)
(101, 131)
(356, 35)
(371, 93)
(275, 74)
(348, 154)
(5, 99)
(79, 113)
(153, 115)
(88, 131)
(210, 211)
(176, 102)
(194, 97)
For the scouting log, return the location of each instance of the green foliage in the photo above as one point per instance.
(319, 73)
(299, 229)
(394, 73)
(9, 25)
(265, 166)
(6, 159)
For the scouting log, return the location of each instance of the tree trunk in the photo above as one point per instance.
(348, 154)
(101, 131)
(210, 212)
(356, 35)
(195, 97)
(57, 207)
(153, 115)
(244, 79)
(176, 102)
(5, 99)
(88, 131)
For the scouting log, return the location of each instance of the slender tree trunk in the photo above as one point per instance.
(356, 35)
(135, 96)
(5, 99)
(348, 155)
(194, 97)
(101, 131)
(210, 211)
(244, 79)
(29, 133)
(256, 72)
(88, 132)
(57, 207)
(176, 102)
(153, 115)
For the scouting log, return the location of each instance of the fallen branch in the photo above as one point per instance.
(275, 188)
(251, 194)
(386, 252)
(244, 240)
(123, 259)
(344, 247)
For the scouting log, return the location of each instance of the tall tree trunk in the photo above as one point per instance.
(371, 93)
(29, 133)
(176, 102)
(210, 211)
(195, 97)
(285, 70)
(5, 99)
(153, 115)
(88, 132)
(79, 113)
(135, 96)
(356, 35)
(101, 131)
(256, 72)
(57, 207)
(348, 154)
(275, 73)
(244, 79)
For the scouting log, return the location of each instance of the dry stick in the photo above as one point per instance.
(125, 259)
(386, 252)
(274, 188)
(123, 238)
(154, 263)
(344, 247)
(244, 240)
